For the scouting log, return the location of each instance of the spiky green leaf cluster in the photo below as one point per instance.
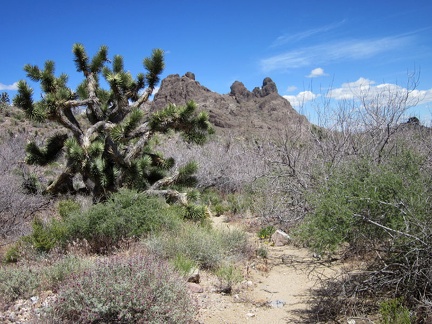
(24, 98)
(47, 154)
(121, 131)
(83, 63)
(186, 177)
(154, 66)
(74, 152)
(193, 127)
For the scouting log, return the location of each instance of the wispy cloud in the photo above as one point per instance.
(295, 37)
(344, 50)
(13, 86)
(317, 73)
(291, 88)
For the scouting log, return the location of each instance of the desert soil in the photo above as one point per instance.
(275, 290)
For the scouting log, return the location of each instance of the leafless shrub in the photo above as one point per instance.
(280, 194)
(227, 164)
(17, 206)
(364, 122)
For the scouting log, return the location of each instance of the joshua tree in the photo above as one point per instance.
(112, 146)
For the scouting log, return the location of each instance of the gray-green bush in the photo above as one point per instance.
(382, 211)
(205, 246)
(27, 279)
(363, 204)
(138, 289)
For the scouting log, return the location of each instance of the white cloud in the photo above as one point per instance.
(351, 89)
(366, 89)
(301, 98)
(13, 86)
(344, 50)
(317, 73)
(291, 88)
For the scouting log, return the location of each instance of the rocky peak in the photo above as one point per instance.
(267, 88)
(240, 110)
(239, 91)
(190, 75)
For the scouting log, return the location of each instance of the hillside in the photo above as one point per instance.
(240, 111)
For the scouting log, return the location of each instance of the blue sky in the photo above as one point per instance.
(306, 47)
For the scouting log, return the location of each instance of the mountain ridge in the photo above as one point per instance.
(240, 111)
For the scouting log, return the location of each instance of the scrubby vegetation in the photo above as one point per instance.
(120, 218)
(138, 289)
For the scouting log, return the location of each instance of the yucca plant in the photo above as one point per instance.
(113, 148)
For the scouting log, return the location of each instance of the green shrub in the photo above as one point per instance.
(228, 275)
(220, 209)
(266, 232)
(394, 312)
(211, 197)
(139, 289)
(46, 236)
(127, 214)
(194, 212)
(12, 254)
(67, 207)
(24, 280)
(361, 200)
(240, 202)
(262, 252)
(183, 264)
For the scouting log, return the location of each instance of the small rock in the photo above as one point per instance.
(277, 303)
(194, 276)
(280, 238)
(34, 299)
(12, 316)
(194, 287)
(250, 315)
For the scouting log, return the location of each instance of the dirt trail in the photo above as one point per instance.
(275, 291)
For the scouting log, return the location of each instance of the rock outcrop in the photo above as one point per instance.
(240, 111)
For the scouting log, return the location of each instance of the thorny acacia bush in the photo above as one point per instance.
(138, 289)
(17, 205)
(382, 209)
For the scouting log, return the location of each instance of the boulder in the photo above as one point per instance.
(280, 238)
(194, 276)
